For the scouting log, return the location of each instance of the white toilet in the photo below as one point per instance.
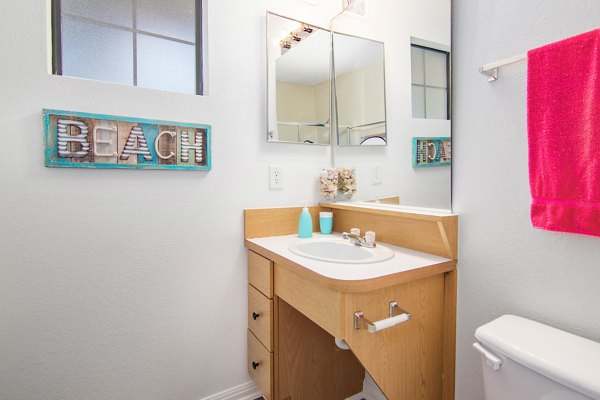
(526, 360)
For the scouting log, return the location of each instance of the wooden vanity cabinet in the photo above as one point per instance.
(289, 356)
(260, 322)
(291, 349)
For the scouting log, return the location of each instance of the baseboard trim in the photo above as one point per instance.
(249, 391)
(245, 391)
(357, 396)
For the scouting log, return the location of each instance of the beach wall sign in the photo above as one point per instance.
(84, 140)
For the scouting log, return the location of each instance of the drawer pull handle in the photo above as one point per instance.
(255, 315)
(255, 364)
(360, 321)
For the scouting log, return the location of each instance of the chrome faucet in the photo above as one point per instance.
(354, 237)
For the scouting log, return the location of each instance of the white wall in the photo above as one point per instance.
(505, 266)
(120, 284)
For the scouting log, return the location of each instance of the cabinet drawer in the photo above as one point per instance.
(260, 273)
(260, 363)
(260, 310)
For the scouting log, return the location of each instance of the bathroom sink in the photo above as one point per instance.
(339, 251)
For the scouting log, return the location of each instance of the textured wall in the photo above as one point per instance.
(505, 265)
(120, 284)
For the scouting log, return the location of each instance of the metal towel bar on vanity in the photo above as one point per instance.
(360, 321)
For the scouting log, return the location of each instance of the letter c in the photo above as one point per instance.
(162, 157)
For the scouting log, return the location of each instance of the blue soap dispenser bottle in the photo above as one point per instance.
(305, 223)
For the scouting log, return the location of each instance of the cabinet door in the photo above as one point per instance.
(260, 273)
(406, 360)
(260, 365)
(260, 311)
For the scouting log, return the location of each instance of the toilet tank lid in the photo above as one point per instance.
(568, 359)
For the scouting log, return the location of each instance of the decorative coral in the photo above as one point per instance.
(347, 182)
(328, 183)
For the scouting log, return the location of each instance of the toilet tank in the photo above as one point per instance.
(526, 360)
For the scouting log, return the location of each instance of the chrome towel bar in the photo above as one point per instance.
(361, 322)
(491, 70)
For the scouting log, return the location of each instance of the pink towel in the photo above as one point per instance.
(563, 122)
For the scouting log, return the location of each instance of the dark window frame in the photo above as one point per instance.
(56, 23)
(448, 95)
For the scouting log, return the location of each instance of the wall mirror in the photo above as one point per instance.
(414, 169)
(359, 90)
(298, 81)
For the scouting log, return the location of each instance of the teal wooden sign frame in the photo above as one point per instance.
(84, 140)
(431, 151)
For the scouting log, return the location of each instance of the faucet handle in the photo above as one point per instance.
(370, 237)
(355, 231)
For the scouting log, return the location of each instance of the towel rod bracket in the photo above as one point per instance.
(491, 74)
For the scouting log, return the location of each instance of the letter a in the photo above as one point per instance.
(136, 135)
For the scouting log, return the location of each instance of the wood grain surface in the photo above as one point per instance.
(406, 361)
(260, 273)
(311, 366)
(263, 222)
(263, 373)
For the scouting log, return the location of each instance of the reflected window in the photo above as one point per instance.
(150, 43)
(430, 94)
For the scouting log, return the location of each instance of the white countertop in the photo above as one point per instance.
(403, 260)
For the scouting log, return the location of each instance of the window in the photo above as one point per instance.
(429, 83)
(149, 43)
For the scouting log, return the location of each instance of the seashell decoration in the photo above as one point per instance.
(328, 183)
(347, 182)
(333, 181)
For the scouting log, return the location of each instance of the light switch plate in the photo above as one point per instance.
(377, 175)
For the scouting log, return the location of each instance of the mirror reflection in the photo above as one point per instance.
(414, 169)
(389, 54)
(299, 81)
(359, 90)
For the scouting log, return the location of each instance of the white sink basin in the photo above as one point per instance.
(339, 251)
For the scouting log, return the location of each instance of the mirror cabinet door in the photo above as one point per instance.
(359, 90)
(298, 82)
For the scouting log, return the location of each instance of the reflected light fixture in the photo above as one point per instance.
(296, 36)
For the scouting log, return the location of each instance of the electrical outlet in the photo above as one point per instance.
(377, 175)
(275, 177)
